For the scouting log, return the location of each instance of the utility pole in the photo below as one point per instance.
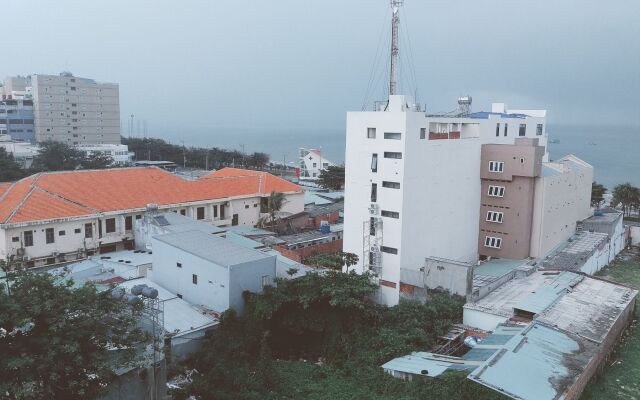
(243, 162)
(131, 127)
(395, 24)
(184, 156)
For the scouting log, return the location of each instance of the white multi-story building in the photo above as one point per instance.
(312, 163)
(413, 187)
(119, 153)
(55, 217)
(75, 110)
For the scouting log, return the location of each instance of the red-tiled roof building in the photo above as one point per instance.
(58, 216)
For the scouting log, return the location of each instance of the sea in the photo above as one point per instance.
(613, 151)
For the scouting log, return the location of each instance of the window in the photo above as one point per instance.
(315, 165)
(393, 154)
(200, 213)
(138, 216)
(128, 223)
(390, 214)
(50, 235)
(183, 212)
(222, 211)
(61, 233)
(539, 130)
(88, 231)
(374, 192)
(372, 226)
(391, 185)
(493, 242)
(496, 166)
(110, 225)
(215, 211)
(15, 239)
(423, 133)
(497, 129)
(77, 230)
(194, 279)
(523, 130)
(235, 220)
(390, 250)
(179, 265)
(246, 206)
(495, 216)
(496, 191)
(179, 295)
(371, 133)
(265, 280)
(506, 128)
(393, 135)
(28, 238)
(374, 162)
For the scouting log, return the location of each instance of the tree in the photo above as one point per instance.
(61, 342)
(274, 204)
(96, 160)
(597, 194)
(626, 195)
(332, 177)
(57, 156)
(9, 169)
(335, 261)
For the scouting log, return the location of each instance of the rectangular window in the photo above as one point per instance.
(496, 166)
(138, 216)
(128, 223)
(393, 135)
(506, 128)
(61, 233)
(390, 214)
(391, 185)
(15, 239)
(194, 279)
(539, 130)
(88, 231)
(222, 211)
(497, 129)
(179, 265)
(372, 226)
(493, 242)
(496, 191)
(77, 230)
(374, 192)
(423, 133)
(374, 162)
(495, 216)
(393, 154)
(523, 130)
(215, 211)
(200, 213)
(50, 235)
(390, 250)
(110, 225)
(371, 133)
(28, 238)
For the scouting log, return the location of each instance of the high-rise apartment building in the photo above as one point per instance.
(16, 118)
(75, 110)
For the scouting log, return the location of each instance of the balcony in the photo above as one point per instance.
(444, 135)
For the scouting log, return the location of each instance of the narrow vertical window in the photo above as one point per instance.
(539, 129)
(498, 129)
(374, 162)
(523, 130)
(374, 192)
(506, 127)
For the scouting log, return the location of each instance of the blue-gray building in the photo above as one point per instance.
(16, 119)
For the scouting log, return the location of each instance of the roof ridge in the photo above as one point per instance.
(21, 203)
(61, 197)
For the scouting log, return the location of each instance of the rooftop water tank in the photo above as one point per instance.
(150, 292)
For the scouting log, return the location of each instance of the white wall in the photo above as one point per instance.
(482, 320)
(635, 235)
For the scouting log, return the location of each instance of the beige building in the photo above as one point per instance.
(75, 110)
(529, 207)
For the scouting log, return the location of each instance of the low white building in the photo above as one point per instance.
(312, 163)
(54, 217)
(119, 153)
(208, 270)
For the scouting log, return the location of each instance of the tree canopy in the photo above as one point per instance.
(9, 168)
(336, 261)
(320, 336)
(332, 177)
(597, 194)
(628, 196)
(57, 156)
(61, 342)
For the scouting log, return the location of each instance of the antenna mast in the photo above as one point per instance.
(395, 24)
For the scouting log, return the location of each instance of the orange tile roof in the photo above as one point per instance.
(57, 195)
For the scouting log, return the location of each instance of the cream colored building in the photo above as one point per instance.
(75, 110)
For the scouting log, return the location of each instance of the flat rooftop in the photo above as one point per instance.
(218, 250)
(574, 253)
(174, 222)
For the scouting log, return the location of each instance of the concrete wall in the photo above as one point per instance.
(249, 277)
(560, 202)
(482, 320)
(635, 235)
(212, 289)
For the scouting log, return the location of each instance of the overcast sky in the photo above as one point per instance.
(302, 64)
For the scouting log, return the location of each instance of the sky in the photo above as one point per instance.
(192, 65)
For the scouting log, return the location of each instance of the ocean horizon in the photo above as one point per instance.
(614, 152)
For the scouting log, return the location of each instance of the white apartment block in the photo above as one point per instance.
(413, 187)
(75, 110)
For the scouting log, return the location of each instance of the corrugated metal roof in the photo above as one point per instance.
(486, 114)
(217, 250)
(548, 293)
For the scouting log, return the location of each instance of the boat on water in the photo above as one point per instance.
(554, 140)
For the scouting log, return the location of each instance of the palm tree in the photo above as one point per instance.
(626, 195)
(597, 194)
(275, 203)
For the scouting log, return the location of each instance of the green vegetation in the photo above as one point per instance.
(335, 261)
(320, 337)
(628, 197)
(57, 342)
(597, 194)
(332, 178)
(193, 157)
(9, 169)
(620, 380)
